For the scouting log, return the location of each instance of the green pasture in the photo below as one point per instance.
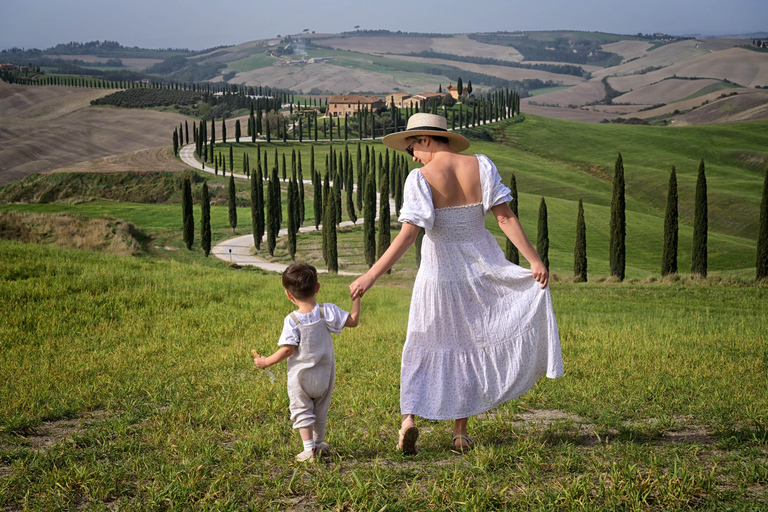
(127, 383)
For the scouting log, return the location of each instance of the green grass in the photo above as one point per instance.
(710, 89)
(663, 405)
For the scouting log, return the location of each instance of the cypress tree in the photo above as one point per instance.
(273, 211)
(237, 131)
(331, 241)
(542, 237)
(337, 183)
(292, 224)
(187, 215)
(205, 222)
(510, 251)
(699, 252)
(257, 206)
(350, 183)
(328, 221)
(384, 234)
(223, 131)
(213, 139)
(175, 143)
(232, 203)
(762, 234)
(317, 203)
(186, 131)
(301, 191)
(360, 181)
(369, 220)
(580, 248)
(618, 224)
(669, 252)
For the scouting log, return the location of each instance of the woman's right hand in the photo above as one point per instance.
(540, 273)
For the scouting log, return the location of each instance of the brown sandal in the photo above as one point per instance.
(407, 441)
(464, 438)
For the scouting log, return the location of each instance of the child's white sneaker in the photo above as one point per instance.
(322, 449)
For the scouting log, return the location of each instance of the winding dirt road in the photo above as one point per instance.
(237, 250)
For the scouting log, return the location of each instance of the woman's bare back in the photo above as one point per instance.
(454, 179)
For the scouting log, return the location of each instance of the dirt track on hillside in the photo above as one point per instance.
(49, 128)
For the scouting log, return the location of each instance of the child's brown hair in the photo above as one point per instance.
(301, 280)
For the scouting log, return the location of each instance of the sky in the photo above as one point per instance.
(202, 24)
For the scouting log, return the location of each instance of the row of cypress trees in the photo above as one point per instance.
(617, 245)
(328, 200)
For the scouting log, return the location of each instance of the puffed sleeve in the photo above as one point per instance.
(417, 206)
(335, 317)
(494, 191)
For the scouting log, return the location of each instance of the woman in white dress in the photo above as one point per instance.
(481, 330)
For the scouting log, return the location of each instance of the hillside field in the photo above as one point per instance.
(128, 383)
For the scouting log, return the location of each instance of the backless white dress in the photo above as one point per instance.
(481, 331)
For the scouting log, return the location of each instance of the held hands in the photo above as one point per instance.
(540, 273)
(360, 286)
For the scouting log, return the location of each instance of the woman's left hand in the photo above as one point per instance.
(359, 286)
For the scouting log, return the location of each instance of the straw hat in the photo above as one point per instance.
(426, 124)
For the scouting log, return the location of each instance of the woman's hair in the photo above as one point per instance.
(438, 138)
(301, 280)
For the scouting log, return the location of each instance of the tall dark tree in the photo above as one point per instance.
(301, 190)
(542, 237)
(292, 220)
(224, 131)
(669, 251)
(762, 234)
(384, 234)
(331, 240)
(257, 205)
(580, 248)
(205, 222)
(175, 143)
(317, 203)
(237, 131)
(328, 221)
(510, 251)
(273, 211)
(700, 225)
(187, 215)
(369, 220)
(232, 202)
(618, 224)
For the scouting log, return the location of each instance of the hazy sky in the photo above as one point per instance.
(200, 24)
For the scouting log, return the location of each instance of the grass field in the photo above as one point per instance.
(127, 383)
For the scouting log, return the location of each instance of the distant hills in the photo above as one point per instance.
(577, 75)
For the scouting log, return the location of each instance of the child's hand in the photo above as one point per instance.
(259, 360)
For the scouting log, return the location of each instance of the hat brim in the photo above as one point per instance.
(398, 142)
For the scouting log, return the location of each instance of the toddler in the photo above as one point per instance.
(306, 343)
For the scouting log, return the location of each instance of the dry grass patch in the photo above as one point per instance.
(71, 232)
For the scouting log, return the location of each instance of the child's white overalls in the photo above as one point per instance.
(311, 373)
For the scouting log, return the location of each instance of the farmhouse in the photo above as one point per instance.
(343, 104)
(6, 67)
(397, 98)
(453, 91)
(422, 100)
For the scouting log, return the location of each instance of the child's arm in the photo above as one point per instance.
(353, 320)
(280, 354)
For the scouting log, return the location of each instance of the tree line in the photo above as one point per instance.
(352, 180)
(618, 230)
